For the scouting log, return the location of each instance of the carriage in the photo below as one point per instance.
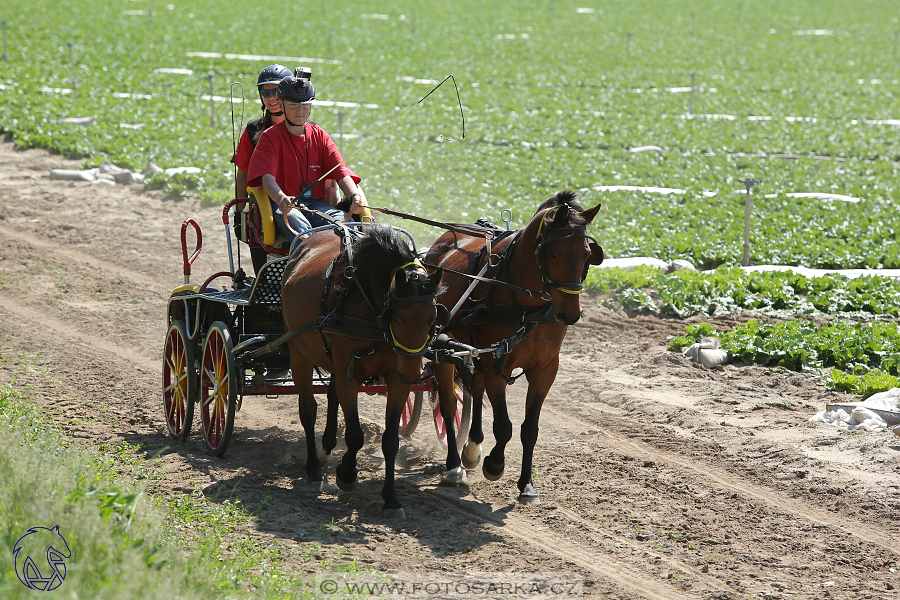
(226, 343)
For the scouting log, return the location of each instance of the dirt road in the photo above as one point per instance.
(659, 480)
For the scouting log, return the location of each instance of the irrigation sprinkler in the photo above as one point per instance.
(629, 47)
(5, 59)
(72, 68)
(693, 75)
(748, 183)
(341, 132)
(212, 102)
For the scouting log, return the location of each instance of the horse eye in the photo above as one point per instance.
(553, 255)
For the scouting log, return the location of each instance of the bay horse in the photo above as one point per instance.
(369, 312)
(545, 264)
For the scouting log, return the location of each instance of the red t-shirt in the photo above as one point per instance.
(297, 160)
(241, 158)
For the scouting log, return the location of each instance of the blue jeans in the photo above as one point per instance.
(301, 220)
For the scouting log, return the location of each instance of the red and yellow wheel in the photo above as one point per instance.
(463, 414)
(179, 382)
(218, 388)
(412, 409)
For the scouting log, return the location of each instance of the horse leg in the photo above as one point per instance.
(471, 455)
(301, 370)
(329, 436)
(443, 376)
(347, 391)
(538, 386)
(390, 446)
(495, 462)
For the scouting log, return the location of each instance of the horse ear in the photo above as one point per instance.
(596, 253)
(590, 213)
(400, 278)
(435, 278)
(562, 215)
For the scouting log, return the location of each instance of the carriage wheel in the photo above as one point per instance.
(218, 388)
(463, 414)
(412, 409)
(179, 382)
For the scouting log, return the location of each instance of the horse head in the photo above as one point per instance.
(411, 314)
(563, 252)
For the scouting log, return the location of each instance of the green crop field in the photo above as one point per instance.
(555, 95)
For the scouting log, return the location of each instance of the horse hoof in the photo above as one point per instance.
(492, 472)
(471, 455)
(455, 476)
(393, 513)
(347, 486)
(529, 496)
(322, 455)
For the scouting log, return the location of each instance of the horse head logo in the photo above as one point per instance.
(41, 544)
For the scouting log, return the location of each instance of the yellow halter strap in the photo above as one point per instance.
(404, 348)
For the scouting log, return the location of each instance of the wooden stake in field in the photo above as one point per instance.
(748, 183)
(341, 132)
(212, 103)
(693, 75)
(896, 35)
(628, 51)
(72, 68)
(5, 59)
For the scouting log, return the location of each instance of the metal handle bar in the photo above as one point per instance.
(189, 261)
(211, 277)
(236, 201)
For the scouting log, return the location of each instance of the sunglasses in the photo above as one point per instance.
(296, 105)
(268, 93)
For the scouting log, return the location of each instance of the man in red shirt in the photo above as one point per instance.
(294, 159)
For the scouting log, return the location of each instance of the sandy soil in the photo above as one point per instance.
(659, 479)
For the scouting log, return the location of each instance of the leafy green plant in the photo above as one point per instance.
(726, 290)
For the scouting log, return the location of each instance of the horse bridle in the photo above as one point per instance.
(541, 240)
(390, 300)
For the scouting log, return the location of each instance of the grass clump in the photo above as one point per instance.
(123, 541)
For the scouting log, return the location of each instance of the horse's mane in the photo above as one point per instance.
(375, 256)
(565, 197)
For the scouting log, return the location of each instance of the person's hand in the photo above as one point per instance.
(285, 203)
(358, 205)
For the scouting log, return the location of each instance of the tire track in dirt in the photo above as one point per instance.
(14, 307)
(717, 477)
(635, 584)
(58, 253)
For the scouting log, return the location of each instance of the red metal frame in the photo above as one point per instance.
(189, 261)
(253, 225)
(280, 390)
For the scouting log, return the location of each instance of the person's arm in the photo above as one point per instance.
(274, 191)
(350, 190)
(240, 184)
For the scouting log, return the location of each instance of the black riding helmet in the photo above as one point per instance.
(296, 89)
(271, 74)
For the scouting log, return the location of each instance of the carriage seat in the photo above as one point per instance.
(270, 235)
